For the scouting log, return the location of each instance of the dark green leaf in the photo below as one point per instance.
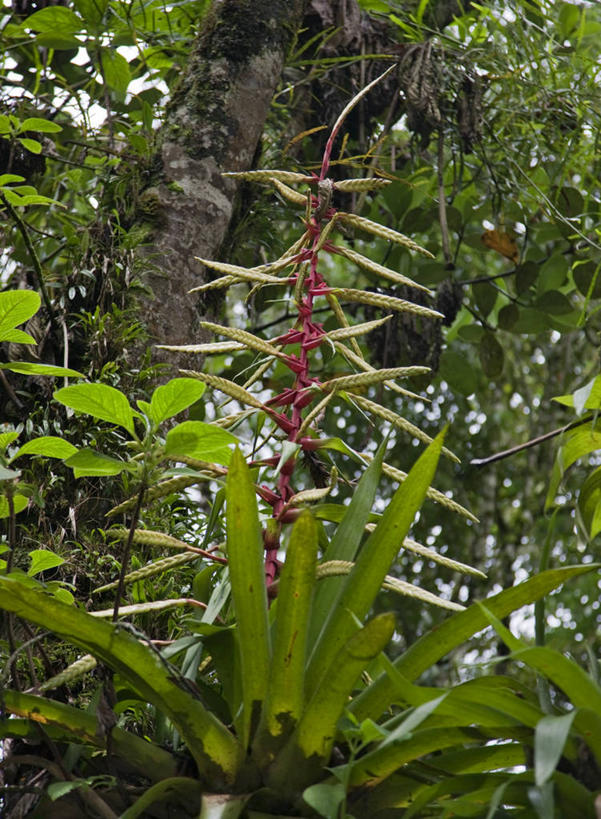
(491, 356)
(508, 316)
(525, 276)
(485, 297)
(53, 18)
(87, 462)
(549, 741)
(457, 371)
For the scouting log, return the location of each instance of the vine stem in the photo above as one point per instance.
(39, 273)
(127, 550)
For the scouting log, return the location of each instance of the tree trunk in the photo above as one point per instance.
(213, 124)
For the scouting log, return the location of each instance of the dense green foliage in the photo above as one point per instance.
(305, 664)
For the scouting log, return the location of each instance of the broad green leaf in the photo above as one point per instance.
(196, 439)
(99, 401)
(549, 739)
(591, 393)
(44, 126)
(115, 70)
(8, 474)
(576, 443)
(16, 337)
(92, 11)
(455, 630)
(9, 178)
(249, 596)
(362, 585)
(79, 726)
(19, 502)
(31, 145)
(32, 368)
(325, 798)
(491, 355)
(174, 396)
(213, 747)
(16, 307)
(6, 439)
(458, 372)
(42, 560)
(55, 19)
(87, 462)
(48, 445)
(286, 688)
(563, 672)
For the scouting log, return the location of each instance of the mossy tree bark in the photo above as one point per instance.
(214, 123)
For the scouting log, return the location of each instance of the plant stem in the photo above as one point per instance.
(127, 550)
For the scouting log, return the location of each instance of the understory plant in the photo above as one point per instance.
(273, 695)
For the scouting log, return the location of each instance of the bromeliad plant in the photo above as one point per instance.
(295, 413)
(290, 708)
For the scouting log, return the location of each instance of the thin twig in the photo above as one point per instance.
(39, 273)
(127, 551)
(499, 456)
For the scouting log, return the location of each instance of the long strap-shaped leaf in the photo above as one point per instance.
(215, 750)
(81, 727)
(346, 541)
(249, 597)
(374, 560)
(311, 744)
(286, 690)
(456, 630)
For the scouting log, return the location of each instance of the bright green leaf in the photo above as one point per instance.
(16, 337)
(31, 145)
(44, 126)
(53, 19)
(115, 70)
(99, 401)
(249, 596)
(195, 439)
(6, 439)
(19, 501)
(16, 307)
(86, 462)
(42, 560)
(174, 397)
(48, 445)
